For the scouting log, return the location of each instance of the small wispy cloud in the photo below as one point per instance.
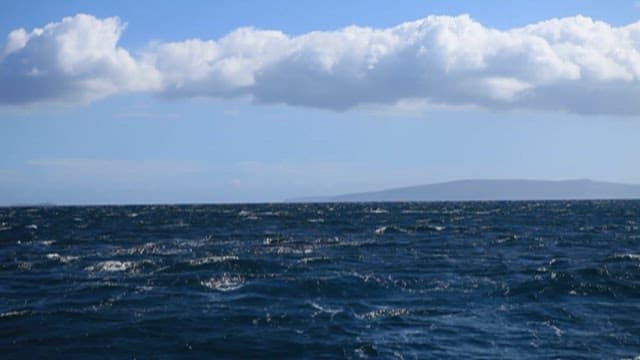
(146, 115)
(114, 169)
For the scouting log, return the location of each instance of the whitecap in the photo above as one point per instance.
(368, 277)
(144, 249)
(31, 227)
(273, 213)
(61, 258)
(385, 312)
(355, 243)
(507, 239)
(111, 266)
(325, 309)
(486, 212)
(377, 211)
(194, 243)
(13, 313)
(318, 220)
(627, 256)
(307, 260)
(274, 240)
(180, 224)
(381, 230)
(557, 331)
(389, 229)
(226, 282)
(430, 227)
(26, 266)
(413, 211)
(245, 213)
(212, 259)
(285, 250)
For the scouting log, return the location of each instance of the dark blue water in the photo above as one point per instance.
(402, 280)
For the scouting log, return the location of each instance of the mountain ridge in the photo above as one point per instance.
(491, 190)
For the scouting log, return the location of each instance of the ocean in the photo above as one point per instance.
(540, 279)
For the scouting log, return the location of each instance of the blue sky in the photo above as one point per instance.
(148, 126)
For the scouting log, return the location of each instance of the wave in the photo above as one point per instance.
(111, 266)
(275, 239)
(376, 211)
(62, 258)
(383, 313)
(144, 249)
(315, 259)
(288, 250)
(224, 283)
(14, 313)
(429, 227)
(628, 256)
(438, 284)
(212, 259)
(249, 215)
(325, 309)
(245, 213)
(389, 230)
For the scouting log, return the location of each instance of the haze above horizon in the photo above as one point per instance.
(200, 102)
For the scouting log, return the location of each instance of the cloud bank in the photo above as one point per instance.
(572, 64)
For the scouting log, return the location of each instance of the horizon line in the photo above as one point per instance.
(314, 199)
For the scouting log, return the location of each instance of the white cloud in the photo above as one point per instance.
(75, 60)
(572, 64)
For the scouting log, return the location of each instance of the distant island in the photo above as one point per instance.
(487, 190)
